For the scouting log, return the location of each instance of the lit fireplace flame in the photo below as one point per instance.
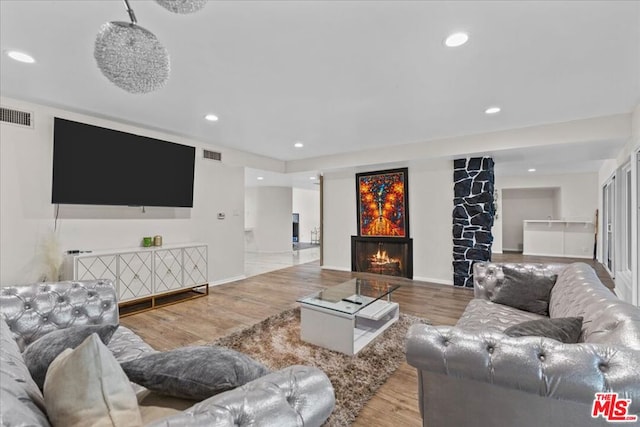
(381, 257)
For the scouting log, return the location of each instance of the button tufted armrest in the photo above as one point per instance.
(294, 396)
(35, 310)
(541, 366)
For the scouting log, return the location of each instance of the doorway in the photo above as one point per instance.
(281, 220)
(521, 204)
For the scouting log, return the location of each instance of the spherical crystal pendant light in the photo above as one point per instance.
(131, 56)
(182, 6)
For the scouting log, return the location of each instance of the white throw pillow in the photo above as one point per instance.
(86, 387)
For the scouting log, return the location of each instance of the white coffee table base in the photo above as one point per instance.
(346, 333)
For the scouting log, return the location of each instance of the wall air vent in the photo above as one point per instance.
(213, 155)
(16, 117)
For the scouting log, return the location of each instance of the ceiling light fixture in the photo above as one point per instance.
(312, 177)
(492, 110)
(182, 6)
(531, 170)
(130, 56)
(20, 56)
(298, 144)
(211, 117)
(260, 178)
(456, 39)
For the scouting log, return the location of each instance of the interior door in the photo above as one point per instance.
(608, 214)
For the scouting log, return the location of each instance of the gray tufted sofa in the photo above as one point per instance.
(474, 375)
(295, 396)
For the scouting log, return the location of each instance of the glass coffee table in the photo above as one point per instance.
(348, 316)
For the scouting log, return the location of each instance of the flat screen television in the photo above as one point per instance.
(97, 166)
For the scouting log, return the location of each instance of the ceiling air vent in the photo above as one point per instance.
(16, 117)
(213, 155)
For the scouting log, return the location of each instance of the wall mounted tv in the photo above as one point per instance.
(98, 166)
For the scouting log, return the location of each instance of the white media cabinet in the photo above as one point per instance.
(146, 278)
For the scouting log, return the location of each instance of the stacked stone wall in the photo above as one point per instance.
(473, 215)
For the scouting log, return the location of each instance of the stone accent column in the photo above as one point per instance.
(473, 214)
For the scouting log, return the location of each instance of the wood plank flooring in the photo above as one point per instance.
(233, 306)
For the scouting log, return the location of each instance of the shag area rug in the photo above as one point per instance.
(276, 342)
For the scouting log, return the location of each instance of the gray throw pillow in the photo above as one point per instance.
(194, 372)
(39, 354)
(564, 329)
(525, 290)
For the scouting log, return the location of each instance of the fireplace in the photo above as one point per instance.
(390, 256)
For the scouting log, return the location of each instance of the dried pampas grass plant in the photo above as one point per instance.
(51, 258)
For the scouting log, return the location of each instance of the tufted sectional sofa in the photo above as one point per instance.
(474, 375)
(295, 396)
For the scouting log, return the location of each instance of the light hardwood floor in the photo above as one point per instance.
(233, 306)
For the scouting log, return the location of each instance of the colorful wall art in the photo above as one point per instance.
(383, 203)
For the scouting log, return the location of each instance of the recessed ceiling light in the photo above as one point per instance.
(211, 117)
(260, 178)
(298, 144)
(531, 170)
(20, 56)
(456, 39)
(492, 110)
(312, 177)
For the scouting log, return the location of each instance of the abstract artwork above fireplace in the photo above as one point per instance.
(383, 255)
(382, 245)
(383, 203)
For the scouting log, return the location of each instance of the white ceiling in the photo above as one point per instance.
(275, 179)
(557, 160)
(340, 76)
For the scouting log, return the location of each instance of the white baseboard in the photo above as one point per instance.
(559, 255)
(512, 249)
(330, 267)
(496, 252)
(432, 280)
(270, 252)
(227, 280)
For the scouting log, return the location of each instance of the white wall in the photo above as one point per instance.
(628, 287)
(578, 196)
(557, 203)
(270, 219)
(635, 217)
(430, 210)
(250, 208)
(339, 219)
(250, 218)
(27, 215)
(431, 207)
(307, 204)
(521, 204)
